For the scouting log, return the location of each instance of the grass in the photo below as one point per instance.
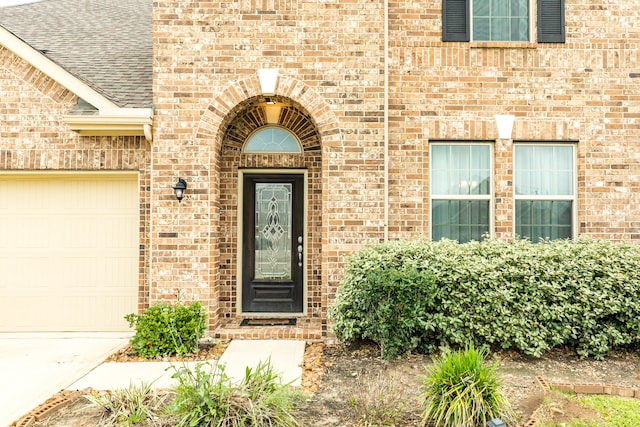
(612, 411)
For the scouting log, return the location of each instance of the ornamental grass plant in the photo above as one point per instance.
(381, 399)
(462, 390)
(209, 398)
(137, 404)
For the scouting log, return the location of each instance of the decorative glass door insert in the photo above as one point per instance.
(273, 230)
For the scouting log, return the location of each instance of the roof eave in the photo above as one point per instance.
(110, 120)
(118, 122)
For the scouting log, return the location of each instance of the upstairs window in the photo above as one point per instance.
(501, 20)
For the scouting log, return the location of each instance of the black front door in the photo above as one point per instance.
(272, 243)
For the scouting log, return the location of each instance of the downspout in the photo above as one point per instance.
(386, 120)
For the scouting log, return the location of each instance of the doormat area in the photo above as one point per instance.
(268, 322)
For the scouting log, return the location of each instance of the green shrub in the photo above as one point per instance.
(387, 307)
(516, 295)
(461, 390)
(208, 397)
(164, 329)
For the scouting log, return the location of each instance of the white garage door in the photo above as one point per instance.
(68, 251)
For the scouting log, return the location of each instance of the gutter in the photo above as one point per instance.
(386, 120)
(111, 120)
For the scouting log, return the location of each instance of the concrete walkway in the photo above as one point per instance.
(285, 357)
(34, 367)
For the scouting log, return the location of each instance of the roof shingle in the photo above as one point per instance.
(105, 43)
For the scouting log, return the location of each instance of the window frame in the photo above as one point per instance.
(261, 129)
(573, 198)
(489, 197)
(529, 32)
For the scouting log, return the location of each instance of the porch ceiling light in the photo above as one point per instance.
(272, 112)
(180, 188)
(268, 80)
(505, 125)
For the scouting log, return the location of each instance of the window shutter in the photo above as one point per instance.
(455, 21)
(551, 21)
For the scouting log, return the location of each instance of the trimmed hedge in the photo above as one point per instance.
(421, 295)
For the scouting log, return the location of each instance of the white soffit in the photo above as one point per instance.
(119, 121)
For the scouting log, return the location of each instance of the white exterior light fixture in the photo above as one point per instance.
(268, 80)
(505, 125)
(272, 111)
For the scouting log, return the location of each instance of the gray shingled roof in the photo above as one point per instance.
(105, 43)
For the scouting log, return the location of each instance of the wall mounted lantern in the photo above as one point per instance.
(505, 125)
(180, 188)
(268, 80)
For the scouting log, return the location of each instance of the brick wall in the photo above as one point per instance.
(585, 90)
(330, 57)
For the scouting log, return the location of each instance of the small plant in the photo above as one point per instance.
(203, 396)
(380, 400)
(130, 406)
(164, 329)
(208, 397)
(461, 390)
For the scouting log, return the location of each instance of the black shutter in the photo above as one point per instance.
(455, 21)
(551, 21)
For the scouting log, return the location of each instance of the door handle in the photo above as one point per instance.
(300, 249)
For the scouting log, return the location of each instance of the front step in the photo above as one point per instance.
(269, 328)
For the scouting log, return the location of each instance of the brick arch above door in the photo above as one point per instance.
(253, 115)
(235, 97)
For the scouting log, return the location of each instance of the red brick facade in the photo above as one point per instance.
(332, 81)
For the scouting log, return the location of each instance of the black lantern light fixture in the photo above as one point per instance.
(180, 188)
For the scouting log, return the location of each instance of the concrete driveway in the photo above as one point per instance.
(35, 366)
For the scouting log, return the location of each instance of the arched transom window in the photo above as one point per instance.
(272, 139)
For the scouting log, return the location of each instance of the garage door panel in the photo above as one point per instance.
(107, 273)
(70, 254)
(114, 228)
(69, 314)
(31, 233)
(29, 275)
